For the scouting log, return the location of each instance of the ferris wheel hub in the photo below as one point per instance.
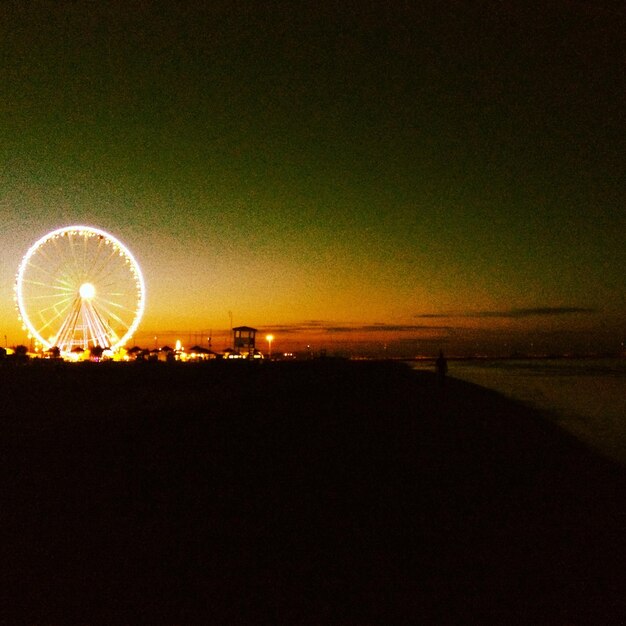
(87, 291)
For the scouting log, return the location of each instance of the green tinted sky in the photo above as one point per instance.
(330, 167)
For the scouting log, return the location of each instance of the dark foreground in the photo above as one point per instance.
(316, 493)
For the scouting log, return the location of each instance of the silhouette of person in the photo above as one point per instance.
(441, 366)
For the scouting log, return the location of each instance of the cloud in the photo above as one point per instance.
(286, 329)
(558, 310)
(377, 328)
(534, 312)
(514, 313)
(329, 327)
(400, 328)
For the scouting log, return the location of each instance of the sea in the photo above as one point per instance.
(585, 396)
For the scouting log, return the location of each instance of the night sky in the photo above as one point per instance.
(360, 176)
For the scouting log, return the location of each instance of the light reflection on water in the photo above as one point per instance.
(585, 396)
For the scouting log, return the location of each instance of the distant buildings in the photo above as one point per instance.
(243, 347)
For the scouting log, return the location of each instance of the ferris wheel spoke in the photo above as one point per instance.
(91, 326)
(48, 324)
(118, 294)
(54, 307)
(118, 290)
(47, 297)
(59, 291)
(106, 326)
(103, 266)
(85, 248)
(116, 280)
(65, 336)
(47, 272)
(116, 317)
(52, 260)
(89, 250)
(66, 283)
(117, 305)
(110, 283)
(111, 275)
(44, 253)
(96, 255)
(102, 330)
(63, 254)
(110, 272)
(58, 315)
(41, 284)
(70, 238)
(79, 252)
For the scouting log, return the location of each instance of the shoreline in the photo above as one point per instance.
(586, 397)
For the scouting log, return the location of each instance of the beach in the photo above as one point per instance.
(585, 396)
(323, 491)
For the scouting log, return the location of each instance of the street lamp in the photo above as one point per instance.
(269, 338)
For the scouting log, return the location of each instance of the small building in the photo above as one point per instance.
(244, 338)
(231, 353)
(198, 353)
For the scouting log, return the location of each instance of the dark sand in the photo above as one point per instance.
(321, 492)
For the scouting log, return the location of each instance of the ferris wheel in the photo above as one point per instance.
(79, 287)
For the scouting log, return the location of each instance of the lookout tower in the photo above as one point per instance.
(243, 340)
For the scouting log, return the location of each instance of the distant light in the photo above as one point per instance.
(87, 291)
(178, 345)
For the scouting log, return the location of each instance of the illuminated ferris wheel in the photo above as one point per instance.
(79, 287)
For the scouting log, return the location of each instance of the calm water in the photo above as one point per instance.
(585, 396)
